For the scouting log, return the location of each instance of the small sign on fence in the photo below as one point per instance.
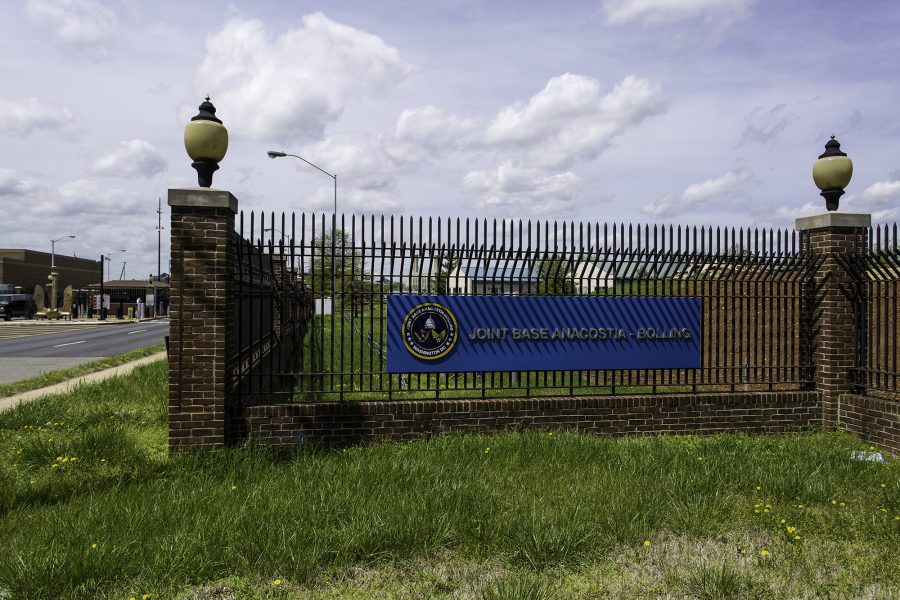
(541, 333)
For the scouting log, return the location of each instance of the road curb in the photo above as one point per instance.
(65, 386)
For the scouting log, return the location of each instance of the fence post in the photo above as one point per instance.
(201, 334)
(834, 239)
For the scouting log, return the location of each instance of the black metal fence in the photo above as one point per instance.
(271, 309)
(338, 271)
(877, 273)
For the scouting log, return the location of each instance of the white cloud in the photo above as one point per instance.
(513, 189)
(786, 215)
(664, 12)
(366, 172)
(293, 85)
(537, 142)
(134, 158)
(362, 159)
(884, 194)
(85, 195)
(432, 128)
(81, 23)
(571, 120)
(20, 118)
(14, 185)
(727, 188)
(881, 199)
(368, 165)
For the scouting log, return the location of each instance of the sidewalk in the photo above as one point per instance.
(65, 386)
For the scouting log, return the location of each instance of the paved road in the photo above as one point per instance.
(24, 357)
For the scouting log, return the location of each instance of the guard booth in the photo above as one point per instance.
(125, 294)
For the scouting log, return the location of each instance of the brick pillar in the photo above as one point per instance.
(834, 334)
(201, 334)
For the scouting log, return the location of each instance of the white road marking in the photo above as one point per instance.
(69, 344)
(137, 331)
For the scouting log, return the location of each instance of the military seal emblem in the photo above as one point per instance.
(430, 331)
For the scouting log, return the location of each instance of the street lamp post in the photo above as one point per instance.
(108, 257)
(276, 154)
(53, 274)
(53, 249)
(159, 229)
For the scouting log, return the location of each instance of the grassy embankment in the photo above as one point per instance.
(60, 375)
(92, 506)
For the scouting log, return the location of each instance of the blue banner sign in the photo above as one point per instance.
(433, 334)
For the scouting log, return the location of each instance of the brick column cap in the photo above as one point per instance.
(834, 219)
(203, 198)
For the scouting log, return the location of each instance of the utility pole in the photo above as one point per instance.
(158, 254)
(102, 305)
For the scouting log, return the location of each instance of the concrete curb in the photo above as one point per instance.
(65, 386)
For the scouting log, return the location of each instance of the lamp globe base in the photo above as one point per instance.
(205, 169)
(832, 198)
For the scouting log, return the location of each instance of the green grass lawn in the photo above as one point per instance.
(92, 506)
(60, 375)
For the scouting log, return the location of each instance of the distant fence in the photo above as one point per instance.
(280, 325)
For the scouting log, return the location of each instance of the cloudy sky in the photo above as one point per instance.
(673, 111)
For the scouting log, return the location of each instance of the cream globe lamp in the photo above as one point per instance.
(206, 142)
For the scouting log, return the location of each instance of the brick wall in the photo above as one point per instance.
(832, 328)
(339, 423)
(201, 320)
(875, 420)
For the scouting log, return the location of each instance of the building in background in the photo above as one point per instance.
(28, 268)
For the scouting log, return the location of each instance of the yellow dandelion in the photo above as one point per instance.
(884, 510)
(783, 521)
(842, 504)
(550, 434)
(699, 458)
(897, 518)
(233, 488)
(764, 552)
(93, 546)
(757, 505)
(276, 582)
(791, 529)
(145, 597)
(756, 511)
(833, 502)
(797, 537)
(871, 448)
(800, 506)
(758, 488)
(646, 543)
(54, 466)
(882, 485)
(768, 506)
(766, 510)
